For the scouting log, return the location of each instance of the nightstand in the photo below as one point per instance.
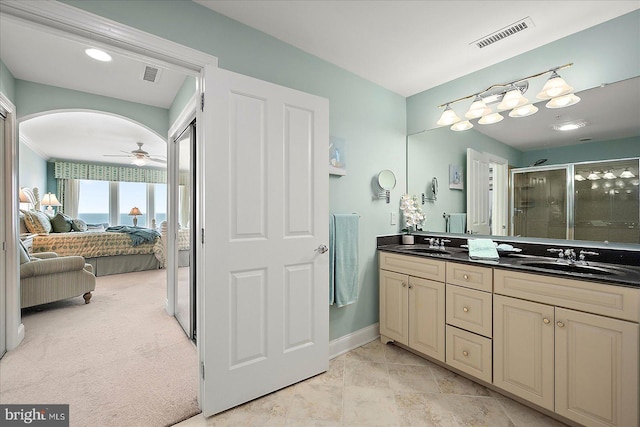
(27, 241)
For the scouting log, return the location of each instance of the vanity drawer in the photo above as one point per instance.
(470, 276)
(469, 353)
(413, 266)
(599, 298)
(469, 309)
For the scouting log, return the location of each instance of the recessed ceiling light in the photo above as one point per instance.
(569, 126)
(99, 55)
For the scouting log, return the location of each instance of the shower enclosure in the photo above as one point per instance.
(595, 201)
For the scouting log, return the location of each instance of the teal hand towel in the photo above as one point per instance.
(457, 223)
(482, 249)
(345, 259)
(332, 251)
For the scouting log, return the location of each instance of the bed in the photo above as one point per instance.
(108, 252)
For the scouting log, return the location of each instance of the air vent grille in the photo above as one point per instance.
(505, 32)
(150, 74)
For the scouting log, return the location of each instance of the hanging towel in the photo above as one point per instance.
(457, 223)
(343, 259)
(482, 249)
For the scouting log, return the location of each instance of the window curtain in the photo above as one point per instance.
(69, 193)
(67, 170)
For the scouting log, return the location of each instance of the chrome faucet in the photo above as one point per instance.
(583, 254)
(442, 242)
(568, 255)
(434, 243)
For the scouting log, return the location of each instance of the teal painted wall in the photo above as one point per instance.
(7, 83)
(183, 96)
(605, 53)
(370, 119)
(616, 149)
(32, 169)
(32, 98)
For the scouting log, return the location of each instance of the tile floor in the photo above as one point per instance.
(381, 385)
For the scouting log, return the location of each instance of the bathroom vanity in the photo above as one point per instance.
(563, 339)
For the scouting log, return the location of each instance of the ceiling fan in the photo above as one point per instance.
(139, 156)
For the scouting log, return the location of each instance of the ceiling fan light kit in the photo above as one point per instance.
(510, 96)
(139, 157)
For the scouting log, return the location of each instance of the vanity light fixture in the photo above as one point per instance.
(555, 86)
(593, 176)
(478, 109)
(460, 126)
(627, 174)
(98, 55)
(510, 96)
(579, 177)
(609, 175)
(523, 111)
(448, 117)
(491, 119)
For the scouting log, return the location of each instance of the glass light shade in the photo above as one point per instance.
(563, 101)
(627, 174)
(512, 99)
(579, 177)
(491, 119)
(609, 175)
(138, 162)
(523, 111)
(477, 109)
(460, 126)
(593, 176)
(555, 86)
(50, 199)
(448, 117)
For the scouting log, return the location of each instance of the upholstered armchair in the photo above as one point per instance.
(45, 277)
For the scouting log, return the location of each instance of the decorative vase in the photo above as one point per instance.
(408, 239)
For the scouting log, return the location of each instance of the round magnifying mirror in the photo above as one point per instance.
(387, 180)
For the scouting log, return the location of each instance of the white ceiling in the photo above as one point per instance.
(411, 46)
(405, 46)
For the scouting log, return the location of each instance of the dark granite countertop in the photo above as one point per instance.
(527, 261)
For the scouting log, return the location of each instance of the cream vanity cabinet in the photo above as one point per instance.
(469, 319)
(412, 303)
(568, 346)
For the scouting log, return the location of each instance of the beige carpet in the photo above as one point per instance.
(118, 361)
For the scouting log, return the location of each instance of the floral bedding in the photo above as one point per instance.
(91, 244)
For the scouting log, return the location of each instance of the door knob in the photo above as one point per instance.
(322, 249)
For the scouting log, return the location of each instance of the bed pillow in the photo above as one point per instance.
(37, 222)
(95, 227)
(78, 225)
(61, 223)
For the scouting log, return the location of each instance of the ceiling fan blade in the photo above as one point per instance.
(116, 155)
(155, 159)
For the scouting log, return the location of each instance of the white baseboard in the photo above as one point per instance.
(353, 340)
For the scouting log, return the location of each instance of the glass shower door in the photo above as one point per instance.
(540, 202)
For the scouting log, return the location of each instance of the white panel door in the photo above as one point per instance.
(477, 192)
(264, 304)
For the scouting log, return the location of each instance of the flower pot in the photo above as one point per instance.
(408, 239)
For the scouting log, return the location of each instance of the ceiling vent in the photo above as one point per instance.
(505, 32)
(151, 74)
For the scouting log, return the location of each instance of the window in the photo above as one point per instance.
(93, 204)
(101, 200)
(132, 194)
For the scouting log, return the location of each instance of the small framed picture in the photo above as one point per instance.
(456, 182)
(337, 156)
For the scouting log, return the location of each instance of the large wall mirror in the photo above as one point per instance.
(611, 130)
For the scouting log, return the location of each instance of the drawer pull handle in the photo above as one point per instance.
(465, 309)
(465, 276)
(560, 324)
(465, 353)
(547, 321)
